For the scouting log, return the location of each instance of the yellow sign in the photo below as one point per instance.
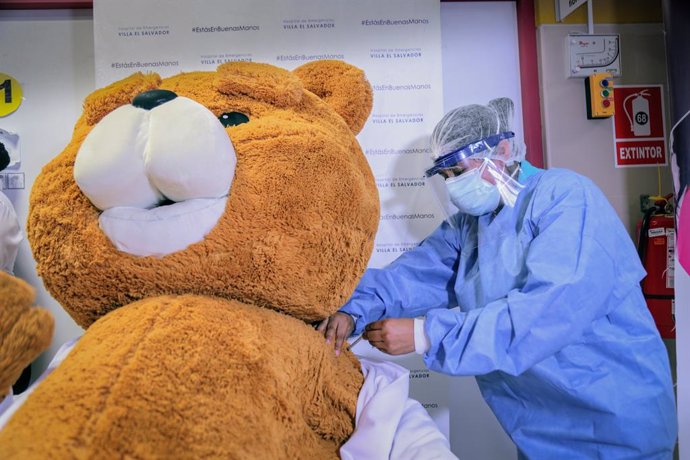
(10, 94)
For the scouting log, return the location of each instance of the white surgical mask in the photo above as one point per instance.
(471, 194)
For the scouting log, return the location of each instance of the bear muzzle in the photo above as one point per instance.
(160, 169)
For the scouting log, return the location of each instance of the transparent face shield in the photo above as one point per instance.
(474, 178)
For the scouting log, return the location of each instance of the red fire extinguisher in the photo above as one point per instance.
(656, 247)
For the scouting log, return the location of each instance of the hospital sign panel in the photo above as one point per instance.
(639, 127)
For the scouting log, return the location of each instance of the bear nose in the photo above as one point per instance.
(153, 98)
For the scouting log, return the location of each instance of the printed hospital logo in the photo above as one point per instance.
(146, 65)
(394, 22)
(426, 151)
(308, 24)
(143, 31)
(400, 182)
(217, 59)
(395, 53)
(397, 248)
(419, 374)
(401, 87)
(410, 216)
(397, 118)
(309, 57)
(226, 28)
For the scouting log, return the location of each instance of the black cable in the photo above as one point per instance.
(644, 228)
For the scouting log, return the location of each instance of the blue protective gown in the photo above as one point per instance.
(551, 321)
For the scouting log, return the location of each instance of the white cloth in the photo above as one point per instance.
(421, 340)
(5, 404)
(10, 235)
(390, 425)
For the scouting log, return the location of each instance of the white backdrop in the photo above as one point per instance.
(51, 54)
(398, 44)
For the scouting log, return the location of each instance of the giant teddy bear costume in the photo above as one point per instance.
(204, 346)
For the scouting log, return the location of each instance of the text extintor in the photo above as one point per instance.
(639, 130)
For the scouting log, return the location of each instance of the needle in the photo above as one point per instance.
(356, 341)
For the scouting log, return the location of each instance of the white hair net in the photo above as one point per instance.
(462, 126)
(472, 123)
(505, 109)
(477, 132)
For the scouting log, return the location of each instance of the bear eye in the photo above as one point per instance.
(233, 119)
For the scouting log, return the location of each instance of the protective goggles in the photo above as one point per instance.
(451, 159)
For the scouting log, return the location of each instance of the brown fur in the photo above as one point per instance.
(205, 352)
(191, 377)
(24, 331)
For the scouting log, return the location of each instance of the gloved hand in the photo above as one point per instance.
(337, 328)
(394, 336)
(24, 331)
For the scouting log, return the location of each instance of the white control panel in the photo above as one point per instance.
(590, 54)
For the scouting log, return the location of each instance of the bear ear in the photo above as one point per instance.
(342, 86)
(103, 101)
(262, 82)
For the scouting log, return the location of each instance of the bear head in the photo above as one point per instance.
(246, 183)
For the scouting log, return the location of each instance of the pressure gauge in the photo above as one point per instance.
(590, 54)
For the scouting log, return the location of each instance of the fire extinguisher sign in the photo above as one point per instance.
(639, 129)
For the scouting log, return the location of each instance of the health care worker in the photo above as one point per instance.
(550, 317)
(10, 234)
